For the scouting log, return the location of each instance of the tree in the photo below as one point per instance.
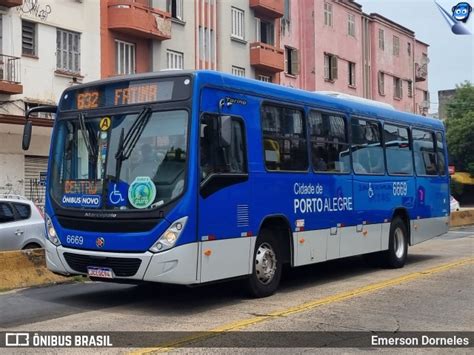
(460, 127)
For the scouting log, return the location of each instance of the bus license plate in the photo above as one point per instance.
(102, 272)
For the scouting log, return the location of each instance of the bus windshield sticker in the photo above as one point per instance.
(78, 200)
(104, 124)
(142, 192)
(117, 193)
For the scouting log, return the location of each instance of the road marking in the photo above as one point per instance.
(172, 345)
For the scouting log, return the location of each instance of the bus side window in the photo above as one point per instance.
(398, 150)
(367, 151)
(220, 160)
(440, 152)
(329, 146)
(424, 151)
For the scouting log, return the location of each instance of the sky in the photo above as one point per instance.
(451, 56)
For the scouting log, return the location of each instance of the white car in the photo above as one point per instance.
(454, 204)
(21, 224)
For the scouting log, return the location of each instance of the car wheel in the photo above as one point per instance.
(267, 265)
(32, 246)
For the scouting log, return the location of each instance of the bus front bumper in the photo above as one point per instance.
(177, 265)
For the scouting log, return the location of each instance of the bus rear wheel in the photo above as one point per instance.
(396, 255)
(267, 265)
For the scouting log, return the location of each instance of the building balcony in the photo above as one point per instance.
(421, 72)
(266, 57)
(132, 18)
(10, 83)
(11, 3)
(268, 8)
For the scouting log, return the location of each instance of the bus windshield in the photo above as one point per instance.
(123, 161)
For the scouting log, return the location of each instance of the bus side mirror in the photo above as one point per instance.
(27, 130)
(225, 131)
(27, 135)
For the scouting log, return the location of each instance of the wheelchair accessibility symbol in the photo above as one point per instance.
(117, 194)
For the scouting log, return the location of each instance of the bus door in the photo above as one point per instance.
(432, 197)
(371, 189)
(223, 201)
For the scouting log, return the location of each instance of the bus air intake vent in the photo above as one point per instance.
(242, 215)
(122, 267)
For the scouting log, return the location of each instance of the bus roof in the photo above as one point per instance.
(281, 93)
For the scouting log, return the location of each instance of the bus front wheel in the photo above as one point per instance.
(396, 255)
(267, 265)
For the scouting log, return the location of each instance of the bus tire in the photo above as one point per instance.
(396, 255)
(267, 265)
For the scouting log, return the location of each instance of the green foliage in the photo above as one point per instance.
(460, 127)
(456, 188)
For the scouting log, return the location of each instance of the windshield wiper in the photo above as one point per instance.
(128, 142)
(87, 137)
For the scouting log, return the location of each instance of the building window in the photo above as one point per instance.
(206, 44)
(351, 74)
(68, 51)
(327, 14)
(265, 31)
(285, 21)
(28, 38)
(125, 58)
(351, 30)
(397, 88)
(238, 71)
(238, 23)
(175, 8)
(291, 61)
(284, 139)
(381, 39)
(265, 78)
(410, 88)
(174, 60)
(409, 49)
(329, 143)
(330, 67)
(381, 82)
(396, 45)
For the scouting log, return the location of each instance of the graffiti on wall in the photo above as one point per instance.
(35, 9)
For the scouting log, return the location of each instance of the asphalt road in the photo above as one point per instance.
(433, 292)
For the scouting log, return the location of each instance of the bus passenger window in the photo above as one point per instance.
(367, 151)
(398, 150)
(284, 139)
(424, 149)
(329, 146)
(440, 151)
(219, 160)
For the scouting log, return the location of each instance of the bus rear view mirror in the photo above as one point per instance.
(27, 130)
(225, 131)
(27, 135)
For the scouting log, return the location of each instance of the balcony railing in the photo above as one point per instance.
(268, 8)
(132, 17)
(10, 70)
(11, 3)
(267, 57)
(421, 72)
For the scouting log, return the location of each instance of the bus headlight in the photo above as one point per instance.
(51, 232)
(169, 238)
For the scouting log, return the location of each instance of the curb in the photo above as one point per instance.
(25, 268)
(462, 218)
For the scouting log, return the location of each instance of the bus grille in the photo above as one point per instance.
(122, 267)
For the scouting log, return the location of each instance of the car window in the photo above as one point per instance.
(6, 213)
(24, 211)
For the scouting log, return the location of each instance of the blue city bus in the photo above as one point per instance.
(189, 177)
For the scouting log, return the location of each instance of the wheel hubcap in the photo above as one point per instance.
(399, 243)
(265, 263)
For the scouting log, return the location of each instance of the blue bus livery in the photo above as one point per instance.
(191, 177)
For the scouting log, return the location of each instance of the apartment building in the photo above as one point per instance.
(45, 46)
